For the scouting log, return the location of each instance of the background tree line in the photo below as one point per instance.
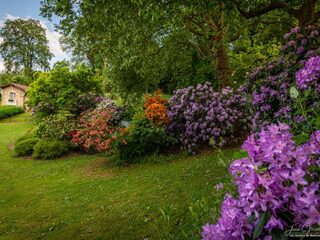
(140, 45)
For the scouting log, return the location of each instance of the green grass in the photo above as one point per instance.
(20, 118)
(87, 197)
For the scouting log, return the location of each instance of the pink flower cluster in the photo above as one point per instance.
(95, 133)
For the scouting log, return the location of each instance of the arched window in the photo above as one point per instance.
(12, 96)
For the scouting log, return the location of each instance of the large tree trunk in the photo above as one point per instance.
(223, 71)
(307, 14)
(219, 51)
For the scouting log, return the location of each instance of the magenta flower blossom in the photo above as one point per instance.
(274, 178)
(232, 225)
(309, 75)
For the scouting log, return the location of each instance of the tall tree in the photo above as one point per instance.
(207, 19)
(134, 39)
(24, 46)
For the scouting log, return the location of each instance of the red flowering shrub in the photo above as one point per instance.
(95, 133)
(156, 110)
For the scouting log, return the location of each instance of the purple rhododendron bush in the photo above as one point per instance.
(287, 90)
(278, 183)
(309, 75)
(278, 187)
(199, 115)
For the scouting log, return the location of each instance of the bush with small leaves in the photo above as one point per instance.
(9, 111)
(25, 147)
(50, 149)
(143, 138)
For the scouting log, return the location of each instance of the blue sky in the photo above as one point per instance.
(10, 9)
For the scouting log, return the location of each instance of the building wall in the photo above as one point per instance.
(19, 99)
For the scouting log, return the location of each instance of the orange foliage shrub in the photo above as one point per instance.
(156, 110)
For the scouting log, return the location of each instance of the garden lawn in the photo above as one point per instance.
(87, 197)
(23, 117)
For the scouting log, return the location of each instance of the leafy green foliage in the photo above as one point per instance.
(24, 46)
(278, 235)
(239, 154)
(244, 58)
(25, 147)
(50, 148)
(144, 45)
(301, 138)
(30, 134)
(63, 90)
(9, 111)
(143, 138)
(260, 225)
(19, 78)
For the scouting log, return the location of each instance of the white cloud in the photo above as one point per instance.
(52, 36)
(9, 16)
(53, 39)
(1, 65)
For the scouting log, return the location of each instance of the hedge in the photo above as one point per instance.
(9, 111)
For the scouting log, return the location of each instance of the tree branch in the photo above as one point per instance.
(251, 14)
(277, 22)
(188, 23)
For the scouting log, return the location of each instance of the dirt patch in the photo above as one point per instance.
(11, 146)
(98, 168)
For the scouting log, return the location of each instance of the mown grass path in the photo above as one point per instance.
(87, 197)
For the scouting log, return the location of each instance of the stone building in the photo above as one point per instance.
(13, 94)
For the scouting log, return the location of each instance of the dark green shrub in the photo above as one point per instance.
(25, 147)
(50, 149)
(9, 111)
(144, 138)
(30, 134)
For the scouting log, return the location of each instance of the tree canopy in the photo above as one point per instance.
(144, 44)
(24, 46)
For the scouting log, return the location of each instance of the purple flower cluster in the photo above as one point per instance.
(276, 178)
(105, 103)
(198, 115)
(85, 102)
(44, 108)
(309, 75)
(270, 85)
(232, 225)
(271, 100)
(117, 113)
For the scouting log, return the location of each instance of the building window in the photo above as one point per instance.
(12, 96)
